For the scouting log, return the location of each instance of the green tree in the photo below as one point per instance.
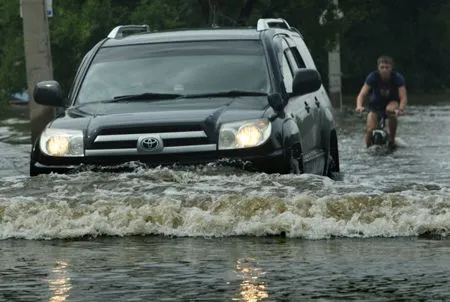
(415, 32)
(12, 58)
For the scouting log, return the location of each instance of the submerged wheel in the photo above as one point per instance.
(331, 168)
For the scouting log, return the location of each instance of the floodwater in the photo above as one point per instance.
(211, 233)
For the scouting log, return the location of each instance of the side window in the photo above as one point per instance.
(298, 57)
(289, 64)
(287, 73)
(303, 52)
(287, 68)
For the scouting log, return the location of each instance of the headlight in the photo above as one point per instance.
(62, 143)
(245, 134)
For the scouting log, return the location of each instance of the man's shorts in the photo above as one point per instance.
(378, 106)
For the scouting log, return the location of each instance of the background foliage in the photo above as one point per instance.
(415, 32)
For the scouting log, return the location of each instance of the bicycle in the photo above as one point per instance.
(380, 135)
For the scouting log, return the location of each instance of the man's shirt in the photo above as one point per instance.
(382, 91)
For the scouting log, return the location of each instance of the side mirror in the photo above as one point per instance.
(276, 102)
(48, 93)
(306, 81)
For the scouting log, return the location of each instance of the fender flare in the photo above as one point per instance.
(291, 134)
(333, 148)
(329, 138)
(292, 145)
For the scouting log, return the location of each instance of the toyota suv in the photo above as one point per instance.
(246, 95)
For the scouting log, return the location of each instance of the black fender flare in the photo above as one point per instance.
(329, 138)
(291, 134)
(334, 149)
(328, 127)
(292, 145)
(34, 155)
(330, 141)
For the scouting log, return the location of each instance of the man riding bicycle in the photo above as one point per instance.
(388, 97)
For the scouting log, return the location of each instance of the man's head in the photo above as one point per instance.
(385, 65)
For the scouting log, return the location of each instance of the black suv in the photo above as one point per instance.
(250, 95)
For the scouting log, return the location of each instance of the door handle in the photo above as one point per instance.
(317, 102)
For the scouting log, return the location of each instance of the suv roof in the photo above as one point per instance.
(186, 35)
(143, 35)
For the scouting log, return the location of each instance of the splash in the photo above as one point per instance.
(175, 210)
(405, 193)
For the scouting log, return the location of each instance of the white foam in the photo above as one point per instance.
(304, 215)
(400, 142)
(14, 121)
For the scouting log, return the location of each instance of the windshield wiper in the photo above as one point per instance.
(154, 96)
(230, 93)
(147, 96)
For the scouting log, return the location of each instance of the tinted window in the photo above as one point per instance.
(305, 54)
(184, 68)
(287, 74)
(287, 69)
(298, 57)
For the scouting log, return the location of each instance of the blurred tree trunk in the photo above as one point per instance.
(246, 12)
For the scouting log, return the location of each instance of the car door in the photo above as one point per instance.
(321, 96)
(300, 108)
(313, 100)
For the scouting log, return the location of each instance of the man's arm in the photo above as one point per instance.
(365, 89)
(401, 84)
(403, 98)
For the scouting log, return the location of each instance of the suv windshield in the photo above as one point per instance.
(184, 68)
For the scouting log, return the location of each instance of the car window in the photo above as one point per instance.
(304, 52)
(287, 69)
(182, 68)
(298, 58)
(287, 73)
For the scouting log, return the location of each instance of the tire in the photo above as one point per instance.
(330, 165)
(331, 168)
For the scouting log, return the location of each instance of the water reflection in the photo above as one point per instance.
(252, 289)
(59, 282)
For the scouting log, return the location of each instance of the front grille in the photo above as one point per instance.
(185, 141)
(115, 145)
(123, 142)
(150, 129)
(167, 143)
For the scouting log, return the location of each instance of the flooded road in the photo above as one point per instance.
(211, 233)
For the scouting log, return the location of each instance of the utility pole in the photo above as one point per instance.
(38, 59)
(335, 75)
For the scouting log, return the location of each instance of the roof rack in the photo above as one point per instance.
(297, 31)
(118, 31)
(264, 24)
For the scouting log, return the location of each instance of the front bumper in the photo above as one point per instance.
(257, 159)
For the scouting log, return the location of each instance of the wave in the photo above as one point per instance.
(167, 205)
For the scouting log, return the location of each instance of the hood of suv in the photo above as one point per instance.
(203, 111)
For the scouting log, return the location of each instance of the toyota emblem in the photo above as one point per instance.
(149, 144)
